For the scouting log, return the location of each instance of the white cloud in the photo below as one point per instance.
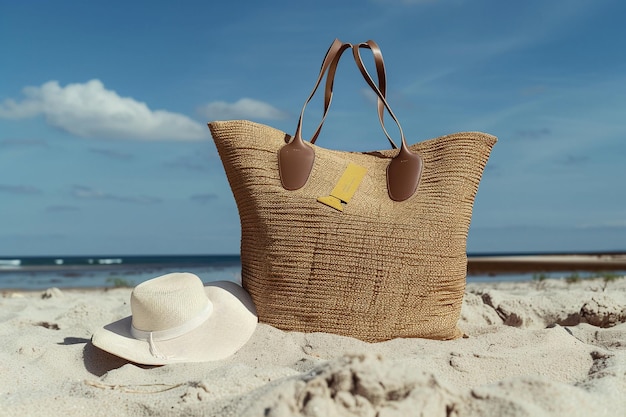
(245, 108)
(89, 110)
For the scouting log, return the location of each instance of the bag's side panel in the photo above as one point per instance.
(248, 152)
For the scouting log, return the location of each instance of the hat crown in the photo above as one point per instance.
(167, 302)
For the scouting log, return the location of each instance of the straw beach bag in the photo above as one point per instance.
(364, 244)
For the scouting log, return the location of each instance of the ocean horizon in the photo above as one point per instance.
(78, 271)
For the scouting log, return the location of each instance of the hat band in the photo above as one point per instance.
(174, 332)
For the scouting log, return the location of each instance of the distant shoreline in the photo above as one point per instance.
(499, 265)
(478, 264)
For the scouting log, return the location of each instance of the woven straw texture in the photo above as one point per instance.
(380, 269)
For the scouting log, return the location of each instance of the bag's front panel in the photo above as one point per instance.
(378, 270)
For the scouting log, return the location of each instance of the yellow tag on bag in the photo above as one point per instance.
(345, 188)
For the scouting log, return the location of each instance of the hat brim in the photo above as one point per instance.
(229, 327)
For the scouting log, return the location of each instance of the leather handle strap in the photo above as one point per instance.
(333, 57)
(295, 159)
(405, 169)
(329, 68)
(382, 102)
(382, 83)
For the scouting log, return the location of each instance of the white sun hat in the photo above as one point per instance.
(175, 318)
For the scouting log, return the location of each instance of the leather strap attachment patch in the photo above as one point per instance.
(345, 188)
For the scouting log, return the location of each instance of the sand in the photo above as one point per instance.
(503, 264)
(532, 349)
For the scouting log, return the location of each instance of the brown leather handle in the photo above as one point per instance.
(405, 169)
(329, 68)
(335, 52)
(296, 158)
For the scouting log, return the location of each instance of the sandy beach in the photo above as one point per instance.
(548, 348)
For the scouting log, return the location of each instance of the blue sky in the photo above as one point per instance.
(103, 108)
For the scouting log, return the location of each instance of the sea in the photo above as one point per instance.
(43, 272)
